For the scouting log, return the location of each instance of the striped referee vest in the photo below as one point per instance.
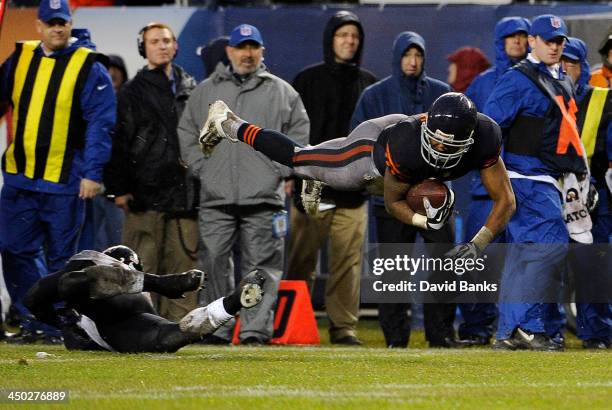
(48, 124)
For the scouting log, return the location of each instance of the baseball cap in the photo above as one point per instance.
(245, 32)
(548, 26)
(54, 9)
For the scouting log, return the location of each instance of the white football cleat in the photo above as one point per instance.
(212, 132)
(311, 195)
(251, 289)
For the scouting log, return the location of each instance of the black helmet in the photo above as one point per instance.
(125, 255)
(447, 133)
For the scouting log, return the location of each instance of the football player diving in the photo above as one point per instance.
(97, 301)
(390, 154)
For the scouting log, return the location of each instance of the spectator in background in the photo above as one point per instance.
(524, 104)
(407, 91)
(146, 174)
(214, 53)
(465, 64)
(54, 162)
(117, 71)
(242, 193)
(330, 91)
(602, 77)
(594, 320)
(510, 47)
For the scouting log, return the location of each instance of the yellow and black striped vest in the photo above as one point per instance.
(48, 124)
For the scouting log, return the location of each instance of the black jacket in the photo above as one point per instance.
(146, 158)
(330, 91)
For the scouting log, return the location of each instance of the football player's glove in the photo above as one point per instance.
(437, 217)
(467, 250)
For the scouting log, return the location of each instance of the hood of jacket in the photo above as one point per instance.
(83, 38)
(338, 20)
(504, 28)
(576, 49)
(402, 42)
(470, 61)
(214, 53)
(116, 61)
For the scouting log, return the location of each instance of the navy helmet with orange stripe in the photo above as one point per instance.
(446, 135)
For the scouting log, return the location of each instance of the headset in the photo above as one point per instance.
(140, 39)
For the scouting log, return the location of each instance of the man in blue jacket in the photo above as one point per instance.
(594, 320)
(408, 90)
(63, 109)
(510, 48)
(534, 105)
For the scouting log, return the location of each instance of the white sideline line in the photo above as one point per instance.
(391, 391)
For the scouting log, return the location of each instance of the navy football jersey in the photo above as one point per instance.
(399, 148)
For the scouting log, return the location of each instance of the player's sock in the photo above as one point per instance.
(219, 313)
(232, 303)
(274, 145)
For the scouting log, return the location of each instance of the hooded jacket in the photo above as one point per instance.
(399, 94)
(98, 108)
(146, 159)
(330, 90)
(482, 85)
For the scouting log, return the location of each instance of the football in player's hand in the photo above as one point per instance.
(433, 189)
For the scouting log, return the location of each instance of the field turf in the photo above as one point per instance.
(371, 377)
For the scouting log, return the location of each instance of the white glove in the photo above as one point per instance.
(437, 217)
(609, 179)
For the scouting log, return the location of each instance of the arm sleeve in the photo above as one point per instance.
(504, 103)
(99, 110)
(188, 134)
(298, 127)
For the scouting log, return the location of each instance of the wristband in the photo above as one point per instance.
(420, 221)
(483, 238)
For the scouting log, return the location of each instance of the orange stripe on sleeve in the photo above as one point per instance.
(333, 157)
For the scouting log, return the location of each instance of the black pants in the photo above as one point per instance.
(393, 317)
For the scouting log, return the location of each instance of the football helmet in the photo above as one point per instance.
(124, 255)
(447, 132)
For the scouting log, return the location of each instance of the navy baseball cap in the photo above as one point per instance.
(54, 9)
(548, 27)
(245, 32)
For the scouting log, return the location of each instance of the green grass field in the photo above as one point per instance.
(314, 377)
